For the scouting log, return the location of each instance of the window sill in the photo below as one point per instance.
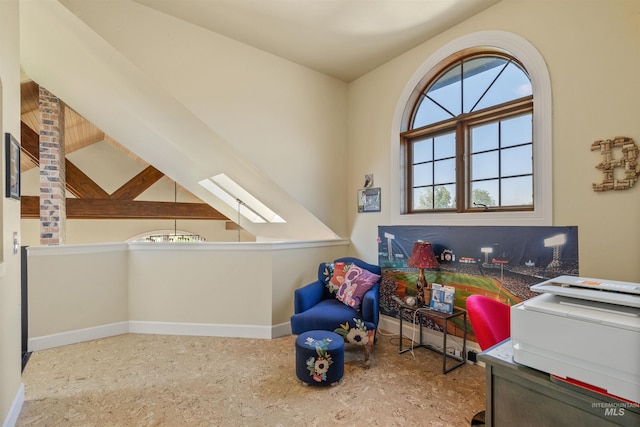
(531, 218)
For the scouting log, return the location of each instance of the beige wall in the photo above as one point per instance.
(285, 119)
(79, 292)
(72, 288)
(592, 53)
(200, 284)
(287, 276)
(591, 50)
(10, 351)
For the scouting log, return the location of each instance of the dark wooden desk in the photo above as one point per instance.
(521, 396)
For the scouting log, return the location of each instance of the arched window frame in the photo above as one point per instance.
(533, 62)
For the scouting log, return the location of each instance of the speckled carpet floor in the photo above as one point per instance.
(159, 380)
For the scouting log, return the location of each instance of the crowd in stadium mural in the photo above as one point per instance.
(500, 262)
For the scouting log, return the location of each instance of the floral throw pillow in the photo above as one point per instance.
(337, 277)
(357, 281)
(327, 272)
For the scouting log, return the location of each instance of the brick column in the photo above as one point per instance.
(53, 200)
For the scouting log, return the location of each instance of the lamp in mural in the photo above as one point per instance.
(423, 257)
(556, 242)
(486, 251)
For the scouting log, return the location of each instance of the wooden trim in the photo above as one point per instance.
(461, 125)
(462, 167)
(490, 113)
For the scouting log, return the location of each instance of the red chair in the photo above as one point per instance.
(491, 323)
(490, 320)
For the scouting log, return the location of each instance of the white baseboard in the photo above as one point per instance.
(158, 328)
(16, 407)
(281, 330)
(76, 336)
(200, 329)
(221, 330)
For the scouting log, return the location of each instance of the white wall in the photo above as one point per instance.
(591, 53)
(81, 292)
(86, 231)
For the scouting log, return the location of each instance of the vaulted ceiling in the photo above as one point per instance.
(85, 59)
(341, 38)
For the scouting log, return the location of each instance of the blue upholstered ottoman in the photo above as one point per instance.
(319, 358)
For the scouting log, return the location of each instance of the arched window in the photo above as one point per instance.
(469, 140)
(475, 135)
(167, 236)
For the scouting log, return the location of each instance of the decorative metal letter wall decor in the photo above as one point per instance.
(629, 162)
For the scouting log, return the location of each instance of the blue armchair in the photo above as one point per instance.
(317, 308)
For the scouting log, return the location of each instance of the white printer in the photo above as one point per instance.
(583, 329)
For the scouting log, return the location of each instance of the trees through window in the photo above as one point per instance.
(468, 146)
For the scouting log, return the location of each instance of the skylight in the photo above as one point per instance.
(240, 199)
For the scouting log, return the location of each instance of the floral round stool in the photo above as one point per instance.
(319, 358)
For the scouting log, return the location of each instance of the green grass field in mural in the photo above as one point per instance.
(464, 284)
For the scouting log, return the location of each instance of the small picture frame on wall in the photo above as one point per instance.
(12, 167)
(369, 200)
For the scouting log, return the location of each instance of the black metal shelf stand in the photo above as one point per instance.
(421, 312)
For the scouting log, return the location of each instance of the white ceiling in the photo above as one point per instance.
(341, 38)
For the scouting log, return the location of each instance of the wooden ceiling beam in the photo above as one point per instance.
(77, 182)
(80, 185)
(138, 184)
(124, 209)
(29, 207)
(93, 202)
(30, 143)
